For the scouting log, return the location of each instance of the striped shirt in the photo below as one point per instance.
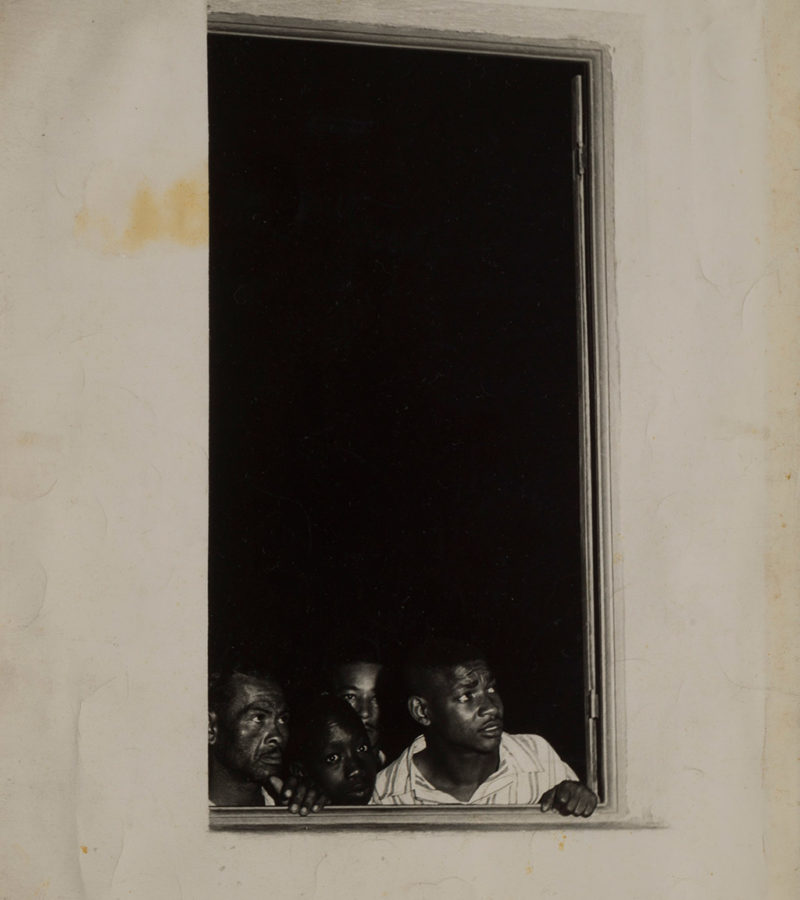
(528, 767)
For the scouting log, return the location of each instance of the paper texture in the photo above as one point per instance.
(103, 472)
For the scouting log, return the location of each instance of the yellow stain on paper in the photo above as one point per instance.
(178, 214)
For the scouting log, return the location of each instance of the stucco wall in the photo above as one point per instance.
(102, 489)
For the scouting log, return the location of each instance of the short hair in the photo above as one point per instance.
(222, 685)
(313, 716)
(436, 654)
(352, 648)
(345, 651)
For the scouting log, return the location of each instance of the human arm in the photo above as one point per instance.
(570, 798)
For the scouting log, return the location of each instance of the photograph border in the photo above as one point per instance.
(596, 302)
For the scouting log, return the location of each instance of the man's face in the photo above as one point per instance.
(357, 684)
(343, 763)
(464, 707)
(252, 731)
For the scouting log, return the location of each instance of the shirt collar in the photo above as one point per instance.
(422, 790)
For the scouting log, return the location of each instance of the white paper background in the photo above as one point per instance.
(103, 424)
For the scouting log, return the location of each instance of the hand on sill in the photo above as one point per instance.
(570, 798)
(301, 795)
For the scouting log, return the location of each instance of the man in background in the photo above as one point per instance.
(353, 674)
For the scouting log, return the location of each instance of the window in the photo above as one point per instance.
(408, 365)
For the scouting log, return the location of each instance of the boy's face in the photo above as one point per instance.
(464, 708)
(249, 736)
(357, 684)
(343, 763)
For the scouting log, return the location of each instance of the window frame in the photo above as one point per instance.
(602, 625)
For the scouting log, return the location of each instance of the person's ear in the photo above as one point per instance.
(418, 709)
(213, 728)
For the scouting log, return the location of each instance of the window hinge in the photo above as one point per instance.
(593, 704)
(580, 159)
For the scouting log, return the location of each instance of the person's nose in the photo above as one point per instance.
(491, 705)
(353, 766)
(275, 734)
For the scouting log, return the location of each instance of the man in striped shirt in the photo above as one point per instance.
(463, 755)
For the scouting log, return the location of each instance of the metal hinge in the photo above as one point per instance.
(579, 160)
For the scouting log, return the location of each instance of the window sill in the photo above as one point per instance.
(456, 817)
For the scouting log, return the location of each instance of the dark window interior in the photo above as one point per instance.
(394, 369)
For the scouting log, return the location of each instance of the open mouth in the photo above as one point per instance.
(270, 759)
(492, 729)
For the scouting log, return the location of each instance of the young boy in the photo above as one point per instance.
(463, 754)
(353, 675)
(331, 748)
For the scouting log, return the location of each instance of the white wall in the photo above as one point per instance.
(103, 382)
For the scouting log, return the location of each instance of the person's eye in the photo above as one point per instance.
(491, 689)
(350, 698)
(257, 717)
(283, 718)
(331, 759)
(364, 748)
(465, 697)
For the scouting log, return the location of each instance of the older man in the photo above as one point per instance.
(248, 729)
